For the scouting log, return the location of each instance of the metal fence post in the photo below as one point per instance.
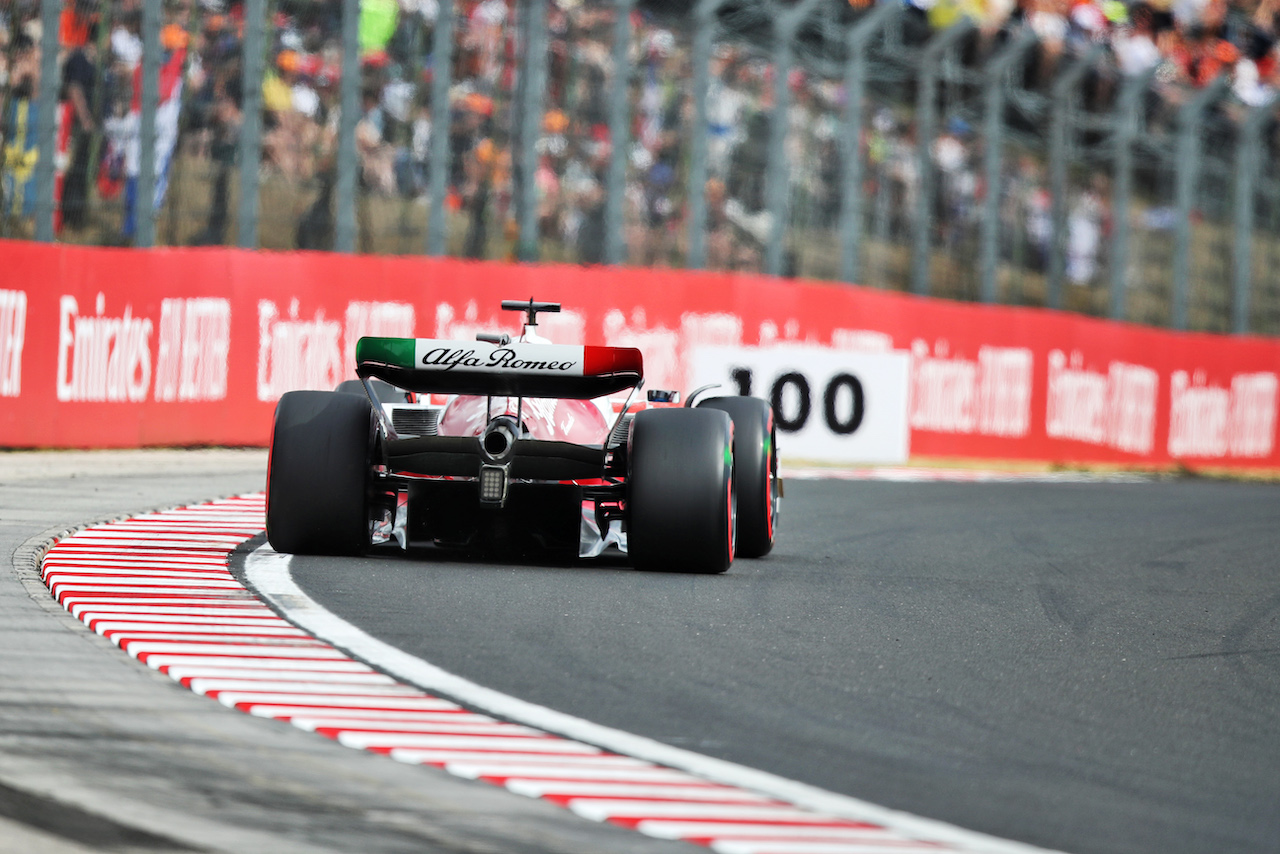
(704, 24)
(144, 202)
(619, 139)
(344, 226)
(855, 79)
(441, 119)
(1128, 121)
(1190, 121)
(533, 72)
(1248, 169)
(46, 119)
(926, 126)
(1062, 108)
(993, 159)
(777, 174)
(250, 142)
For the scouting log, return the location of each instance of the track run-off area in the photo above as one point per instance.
(949, 661)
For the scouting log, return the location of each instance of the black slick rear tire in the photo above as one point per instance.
(386, 392)
(317, 474)
(680, 498)
(755, 471)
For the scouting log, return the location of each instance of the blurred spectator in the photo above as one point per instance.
(1257, 74)
(315, 228)
(224, 126)
(747, 166)
(485, 40)
(957, 182)
(1028, 207)
(416, 181)
(1085, 227)
(585, 184)
(75, 22)
(292, 109)
(123, 129)
(377, 24)
(21, 152)
(126, 35)
(1135, 45)
(725, 107)
(79, 85)
(482, 169)
(719, 229)
(1200, 56)
(1048, 20)
(377, 157)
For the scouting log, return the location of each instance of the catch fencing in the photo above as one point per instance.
(815, 139)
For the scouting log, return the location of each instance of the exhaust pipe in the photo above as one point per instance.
(499, 438)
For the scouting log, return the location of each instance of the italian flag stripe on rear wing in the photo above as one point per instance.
(385, 351)
(606, 361)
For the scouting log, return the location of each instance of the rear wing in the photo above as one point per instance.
(518, 369)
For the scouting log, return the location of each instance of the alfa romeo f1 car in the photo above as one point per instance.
(528, 452)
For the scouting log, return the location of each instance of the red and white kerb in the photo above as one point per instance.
(158, 586)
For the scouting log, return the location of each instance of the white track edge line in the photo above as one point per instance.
(269, 574)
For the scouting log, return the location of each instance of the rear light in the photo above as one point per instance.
(493, 485)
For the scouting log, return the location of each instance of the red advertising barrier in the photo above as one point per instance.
(126, 348)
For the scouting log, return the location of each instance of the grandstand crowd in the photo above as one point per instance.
(1185, 44)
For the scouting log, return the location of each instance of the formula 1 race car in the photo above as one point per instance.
(527, 453)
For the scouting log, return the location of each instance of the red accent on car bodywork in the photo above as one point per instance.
(610, 361)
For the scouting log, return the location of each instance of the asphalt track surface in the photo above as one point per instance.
(1087, 667)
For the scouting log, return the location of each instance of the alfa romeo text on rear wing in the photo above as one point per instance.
(517, 369)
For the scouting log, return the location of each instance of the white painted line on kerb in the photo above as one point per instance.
(269, 573)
